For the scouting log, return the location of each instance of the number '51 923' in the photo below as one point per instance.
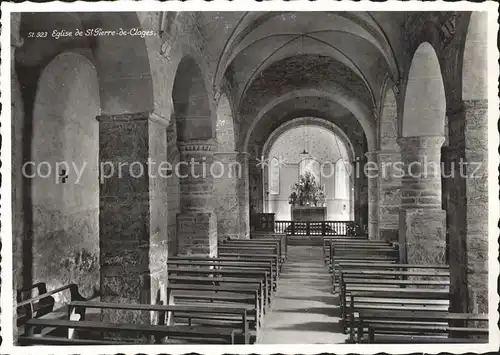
(37, 34)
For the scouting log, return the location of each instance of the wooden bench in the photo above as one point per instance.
(248, 256)
(157, 331)
(267, 266)
(232, 317)
(218, 275)
(368, 261)
(280, 242)
(328, 242)
(253, 247)
(370, 319)
(382, 298)
(281, 237)
(219, 294)
(386, 270)
(43, 303)
(347, 284)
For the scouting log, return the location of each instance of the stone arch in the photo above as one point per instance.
(425, 100)
(191, 103)
(357, 108)
(321, 155)
(66, 201)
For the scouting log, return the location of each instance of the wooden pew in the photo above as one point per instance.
(235, 317)
(248, 256)
(237, 260)
(43, 303)
(347, 284)
(257, 243)
(267, 266)
(370, 319)
(158, 331)
(281, 237)
(252, 245)
(226, 294)
(329, 241)
(362, 254)
(215, 275)
(382, 298)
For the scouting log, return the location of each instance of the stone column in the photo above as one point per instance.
(132, 215)
(362, 196)
(422, 221)
(389, 184)
(372, 172)
(225, 199)
(197, 222)
(468, 206)
(243, 196)
(17, 114)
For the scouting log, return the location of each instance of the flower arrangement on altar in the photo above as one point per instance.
(306, 192)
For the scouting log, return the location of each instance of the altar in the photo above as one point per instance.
(308, 213)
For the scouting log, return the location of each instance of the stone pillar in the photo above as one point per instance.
(363, 196)
(476, 149)
(389, 184)
(468, 206)
(17, 114)
(255, 185)
(422, 222)
(197, 222)
(372, 172)
(225, 199)
(132, 215)
(243, 196)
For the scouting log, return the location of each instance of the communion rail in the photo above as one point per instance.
(317, 228)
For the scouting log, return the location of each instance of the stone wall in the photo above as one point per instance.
(225, 197)
(65, 208)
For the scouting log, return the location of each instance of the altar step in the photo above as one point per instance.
(308, 240)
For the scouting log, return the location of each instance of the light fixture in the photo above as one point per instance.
(305, 152)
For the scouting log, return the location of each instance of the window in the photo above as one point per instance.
(313, 166)
(341, 180)
(274, 176)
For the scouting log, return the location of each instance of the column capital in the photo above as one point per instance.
(205, 145)
(419, 143)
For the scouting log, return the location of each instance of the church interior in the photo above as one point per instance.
(249, 177)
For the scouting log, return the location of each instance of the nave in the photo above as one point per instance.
(196, 184)
(350, 290)
(304, 311)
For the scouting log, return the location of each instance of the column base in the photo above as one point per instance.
(197, 233)
(422, 236)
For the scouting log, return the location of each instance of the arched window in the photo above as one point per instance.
(313, 166)
(274, 176)
(341, 180)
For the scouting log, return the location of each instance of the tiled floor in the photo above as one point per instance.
(304, 310)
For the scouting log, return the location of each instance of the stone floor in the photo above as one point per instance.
(304, 310)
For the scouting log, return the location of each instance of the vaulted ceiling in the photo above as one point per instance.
(268, 55)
